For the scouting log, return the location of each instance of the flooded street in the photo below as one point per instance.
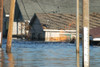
(41, 54)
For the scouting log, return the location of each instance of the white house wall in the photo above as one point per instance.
(48, 35)
(20, 29)
(59, 35)
(14, 28)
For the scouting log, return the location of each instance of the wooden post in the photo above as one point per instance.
(10, 28)
(1, 22)
(77, 28)
(77, 35)
(85, 33)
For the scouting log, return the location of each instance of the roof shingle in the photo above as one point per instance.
(67, 21)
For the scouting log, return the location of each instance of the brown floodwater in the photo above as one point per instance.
(43, 54)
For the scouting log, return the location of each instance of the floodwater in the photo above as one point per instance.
(41, 54)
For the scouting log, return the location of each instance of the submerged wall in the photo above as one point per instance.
(59, 35)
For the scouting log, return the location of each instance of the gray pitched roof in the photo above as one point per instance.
(95, 32)
(18, 14)
(6, 5)
(64, 21)
(55, 21)
(60, 21)
(29, 7)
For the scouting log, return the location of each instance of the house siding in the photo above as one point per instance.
(59, 36)
(37, 31)
(18, 28)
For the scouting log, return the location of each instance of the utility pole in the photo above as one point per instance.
(77, 28)
(1, 22)
(77, 35)
(10, 28)
(86, 57)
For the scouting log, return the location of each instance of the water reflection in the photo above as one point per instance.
(6, 61)
(78, 59)
(27, 57)
(33, 54)
(10, 60)
(1, 58)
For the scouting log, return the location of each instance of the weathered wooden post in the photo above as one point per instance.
(10, 28)
(77, 35)
(85, 33)
(1, 22)
(77, 28)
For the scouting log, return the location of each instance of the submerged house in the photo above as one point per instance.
(52, 27)
(28, 8)
(25, 10)
(60, 27)
(18, 23)
(95, 32)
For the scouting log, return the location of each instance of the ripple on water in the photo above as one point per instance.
(46, 54)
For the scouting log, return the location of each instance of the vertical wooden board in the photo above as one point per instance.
(0, 37)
